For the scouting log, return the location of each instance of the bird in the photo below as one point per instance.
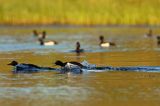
(158, 40)
(105, 44)
(47, 43)
(150, 33)
(36, 34)
(78, 48)
(44, 35)
(28, 68)
(71, 66)
(23, 67)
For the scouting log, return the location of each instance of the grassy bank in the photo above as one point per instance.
(80, 12)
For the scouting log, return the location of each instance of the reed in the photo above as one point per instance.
(80, 12)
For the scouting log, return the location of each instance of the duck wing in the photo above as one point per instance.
(31, 65)
(76, 63)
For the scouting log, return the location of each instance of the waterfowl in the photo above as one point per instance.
(47, 43)
(35, 33)
(78, 48)
(23, 67)
(158, 40)
(150, 33)
(44, 35)
(71, 66)
(105, 44)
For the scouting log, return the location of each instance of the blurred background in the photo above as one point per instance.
(80, 12)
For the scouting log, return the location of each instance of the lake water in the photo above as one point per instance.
(112, 88)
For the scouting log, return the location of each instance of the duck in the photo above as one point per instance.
(71, 66)
(105, 44)
(78, 48)
(44, 35)
(158, 40)
(36, 34)
(28, 68)
(150, 33)
(47, 43)
(23, 67)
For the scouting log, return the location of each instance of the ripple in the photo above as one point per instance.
(60, 92)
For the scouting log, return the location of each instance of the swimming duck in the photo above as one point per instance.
(150, 33)
(29, 68)
(24, 67)
(105, 44)
(35, 33)
(47, 43)
(78, 48)
(158, 40)
(71, 66)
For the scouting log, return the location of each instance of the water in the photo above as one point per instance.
(107, 87)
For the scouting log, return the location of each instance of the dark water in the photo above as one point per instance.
(107, 87)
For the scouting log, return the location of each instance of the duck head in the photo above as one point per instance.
(43, 34)
(59, 63)
(35, 33)
(158, 37)
(13, 63)
(78, 45)
(101, 38)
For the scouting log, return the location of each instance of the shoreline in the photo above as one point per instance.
(78, 26)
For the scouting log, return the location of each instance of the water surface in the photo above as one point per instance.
(89, 89)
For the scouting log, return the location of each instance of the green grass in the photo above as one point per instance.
(80, 12)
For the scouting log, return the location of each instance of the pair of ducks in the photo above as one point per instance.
(66, 67)
(150, 34)
(101, 44)
(42, 37)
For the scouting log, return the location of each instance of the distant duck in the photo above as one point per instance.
(72, 66)
(158, 40)
(105, 44)
(47, 43)
(41, 36)
(78, 48)
(24, 67)
(150, 33)
(36, 34)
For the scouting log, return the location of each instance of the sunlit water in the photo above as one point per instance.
(92, 88)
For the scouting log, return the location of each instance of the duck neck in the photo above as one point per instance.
(63, 64)
(78, 46)
(41, 41)
(101, 41)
